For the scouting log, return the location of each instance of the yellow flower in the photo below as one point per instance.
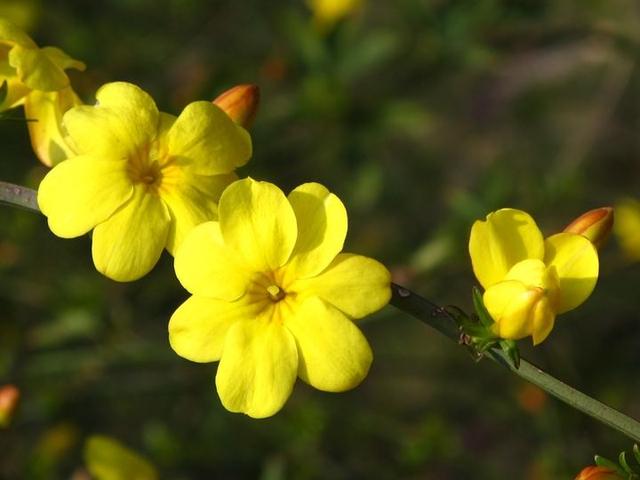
(529, 280)
(141, 179)
(273, 297)
(627, 227)
(36, 78)
(327, 13)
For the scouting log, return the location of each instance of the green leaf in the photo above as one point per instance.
(107, 459)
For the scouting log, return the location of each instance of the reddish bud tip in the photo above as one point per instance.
(240, 103)
(598, 473)
(9, 398)
(595, 225)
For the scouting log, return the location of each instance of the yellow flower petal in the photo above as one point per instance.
(16, 90)
(511, 304)
(505, 238)
(258, 222)
(498, 297)
(354, 284)
(258, 368)
(333, 354)
(61, 59)
(123, 121)
(45, 110)
(206, 267)
(37, 70)
(575, 261)
(206, 139)
(534, 273)
(198, 327)
(81, 192)
(543, 320)
(128, 245)
(192, 200)
(530, 272)
(11, 34)
(322, 228)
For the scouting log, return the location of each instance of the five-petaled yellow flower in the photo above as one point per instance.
(273, 297)
(528, 280)
(35, 77)
(141, 179)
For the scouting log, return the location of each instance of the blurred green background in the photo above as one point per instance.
(422, 115)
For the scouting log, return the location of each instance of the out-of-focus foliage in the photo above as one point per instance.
(421, 116)
(107, 459)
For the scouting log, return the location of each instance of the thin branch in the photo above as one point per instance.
(17, 196)
(437, 317)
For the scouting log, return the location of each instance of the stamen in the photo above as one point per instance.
(275, 293)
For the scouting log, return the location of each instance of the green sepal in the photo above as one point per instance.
(636, 452)
(481, 310)
(605, 462)
(622, 460)
(511, 349)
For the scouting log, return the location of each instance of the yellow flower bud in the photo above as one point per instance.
(9, 397)
(240, 103)
(595, 224)
(598, 473)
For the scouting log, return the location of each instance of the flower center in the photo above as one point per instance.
(275, 293)
(145, 166)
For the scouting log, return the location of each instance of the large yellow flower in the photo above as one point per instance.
(273, 297)
(36, 78)
(528, 280)
(141, 179)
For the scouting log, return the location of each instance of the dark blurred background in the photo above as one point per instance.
(422, 115)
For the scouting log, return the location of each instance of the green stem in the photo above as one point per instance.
(438, 318)
(17, 196)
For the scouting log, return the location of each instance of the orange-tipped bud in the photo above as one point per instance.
(598, 473)
(595, 225)
(9, 398)
(240, 103)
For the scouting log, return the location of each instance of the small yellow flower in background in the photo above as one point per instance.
(273, 298)
(141, 179)
(326, 13)
(25, 67)
(627, 227)
(35, 77)
(529, 280)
